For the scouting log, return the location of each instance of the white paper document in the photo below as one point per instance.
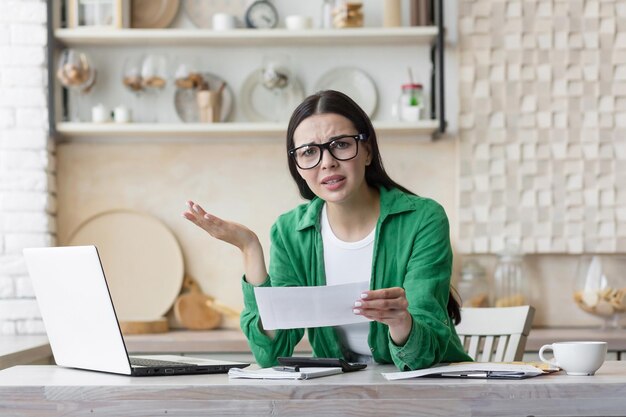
(471, 370)
(269, 373)
(305, 307)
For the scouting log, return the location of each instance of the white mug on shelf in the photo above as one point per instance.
(406, 113)
(224, 21)
(121, 114)
(298, 22)
(576, 358)
(99, 114)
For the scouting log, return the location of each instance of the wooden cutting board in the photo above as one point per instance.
(153, 14)
(193, 310)
(142, 261)
(144, 326)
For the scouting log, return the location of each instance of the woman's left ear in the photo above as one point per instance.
(368, 160)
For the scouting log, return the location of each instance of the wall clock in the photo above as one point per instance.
(261, 15)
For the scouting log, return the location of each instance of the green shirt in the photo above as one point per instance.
(411, 250)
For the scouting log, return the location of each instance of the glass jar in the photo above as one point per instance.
(95, 12)
(473, 286)
(348, 14)
(510, 286)
(411, 102)
(411, 95)
(600, 287)
(326, 21)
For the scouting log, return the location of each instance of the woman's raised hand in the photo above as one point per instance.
(235, 234)
(227, 231)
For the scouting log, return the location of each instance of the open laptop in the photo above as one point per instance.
(81, 322)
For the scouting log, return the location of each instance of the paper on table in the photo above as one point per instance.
(305, 307)
(269, 373)
(471, 369)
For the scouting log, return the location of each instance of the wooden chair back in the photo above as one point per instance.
(495, 334)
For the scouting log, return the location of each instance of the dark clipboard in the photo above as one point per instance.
(308, 362)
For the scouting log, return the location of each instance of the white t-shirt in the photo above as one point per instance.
(347, 262)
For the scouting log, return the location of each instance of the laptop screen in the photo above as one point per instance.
(76, 308)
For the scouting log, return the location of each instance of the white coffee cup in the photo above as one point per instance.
(121, 114)
(99, 114)
(576, 358)
(298, 22)
(223, 21)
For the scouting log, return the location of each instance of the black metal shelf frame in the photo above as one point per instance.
(437, 97)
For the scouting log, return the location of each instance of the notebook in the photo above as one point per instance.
(273, 373)
(81, 322)
(490, 370)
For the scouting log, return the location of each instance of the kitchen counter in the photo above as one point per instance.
(17, 350)
(54, 391)
(183, 341)
(234, 340)
(24, 350)
(616, 339)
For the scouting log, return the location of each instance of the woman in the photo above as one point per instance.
(359, 225)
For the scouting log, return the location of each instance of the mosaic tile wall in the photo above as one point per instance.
(542, 125)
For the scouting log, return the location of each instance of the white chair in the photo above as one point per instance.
(495, 334)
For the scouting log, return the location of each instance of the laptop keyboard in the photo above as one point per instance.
(154, 362)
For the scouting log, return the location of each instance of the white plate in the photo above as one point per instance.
(201, 12)
(260, 104)
(354, 83)
(187, 107)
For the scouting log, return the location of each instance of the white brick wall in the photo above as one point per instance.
(27, 164)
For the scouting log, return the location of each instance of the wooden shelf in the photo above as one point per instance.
(366, 37)
(247, 37)
(76, 131)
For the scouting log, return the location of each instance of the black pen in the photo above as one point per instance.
(287, 368)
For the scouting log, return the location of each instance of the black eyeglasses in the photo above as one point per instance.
(342, 148)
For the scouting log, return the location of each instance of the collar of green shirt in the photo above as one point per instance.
(392, 201)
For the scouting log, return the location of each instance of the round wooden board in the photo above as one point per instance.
(153, 14)
(142, 261)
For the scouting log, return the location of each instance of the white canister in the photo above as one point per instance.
(298, 22)
(99, 114)
(224, 21)
(121, 114)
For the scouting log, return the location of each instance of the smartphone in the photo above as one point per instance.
(304, 361)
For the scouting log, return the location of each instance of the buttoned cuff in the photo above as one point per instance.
(404, 355)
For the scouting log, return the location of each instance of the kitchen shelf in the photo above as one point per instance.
(74, 131)
(248, 37)
(429, 36)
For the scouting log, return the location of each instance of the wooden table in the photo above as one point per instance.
(53, 391)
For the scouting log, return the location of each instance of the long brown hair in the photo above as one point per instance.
(335, 102)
